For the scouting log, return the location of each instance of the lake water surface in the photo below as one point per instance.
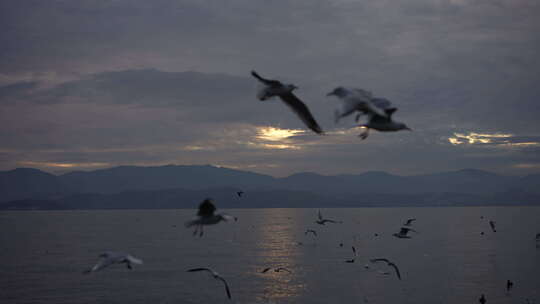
(44, 252)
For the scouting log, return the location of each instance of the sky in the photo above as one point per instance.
(95, 84)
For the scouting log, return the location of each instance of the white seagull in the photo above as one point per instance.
(108, 258)
(284, 92)
(359, 100)
(216, 276)
(206, 216)
(382, 123)
(389, 264)
(322, 221)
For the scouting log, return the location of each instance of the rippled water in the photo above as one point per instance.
(43, 254)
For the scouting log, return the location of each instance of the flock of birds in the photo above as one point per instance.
(379, 112)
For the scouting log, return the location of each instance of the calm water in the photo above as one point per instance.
(448, 261)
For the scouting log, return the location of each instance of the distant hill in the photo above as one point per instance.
(175, 186)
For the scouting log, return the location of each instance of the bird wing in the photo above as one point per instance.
(396, 269)
(102, 264)
(354, 250)
(134, 260)
(202, 269)
(227, 217)
(301, 111)
(379, 260)
(266, 269)
(269, 82)
(284, 269)
(226, 286)
(381, 103)
(206, 208)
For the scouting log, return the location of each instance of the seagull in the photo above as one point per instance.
(352, 261)
(216, 276)
(509, 285)
(382, 123)
(409, 221)
(240, 193)
(206, 216)
(322, 221)
(482, 299)
(285, 93)
(279, 269)
(108, 258)
(311, 231)
(492, 224)
(389, 264)
(359, 100)
(402, 234)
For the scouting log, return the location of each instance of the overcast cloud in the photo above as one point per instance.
(91, 84)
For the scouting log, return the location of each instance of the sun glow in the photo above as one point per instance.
(276, 134)
(495, 139)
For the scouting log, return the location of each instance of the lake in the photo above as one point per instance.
(43, 255)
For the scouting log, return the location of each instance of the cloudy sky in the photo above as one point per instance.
(95, 84)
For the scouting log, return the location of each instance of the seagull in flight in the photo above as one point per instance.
(359, 100)
(206, 216)
(492, 225)
(285, 93)
(108, 258)
(402, 234)
(322, 221)
(389, 264)
(216, 276)
(311, 231)
(279, 269)
(240, 193)
(382, 123)
(354, 252)
(409, 222)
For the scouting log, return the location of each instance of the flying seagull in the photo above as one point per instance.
(206, 216)
(285, 93)
(216, 276)
(322, 221)
(354, 251)
(108, 258)
(279, 269)
(359, 100)
(402, 234)
(382, 123)
(409, 222)
(492, 224)
(389, 264)
(311, 231)
(240, 193)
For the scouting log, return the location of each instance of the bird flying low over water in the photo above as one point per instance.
(109, 258)
(492, 225)
(402, 234)
(279, 269)
(216, 276)
(359, 100)
(322, 221)
(354, 258)
(284, 92)
(206, 216)
(409, 222)
(389, 263)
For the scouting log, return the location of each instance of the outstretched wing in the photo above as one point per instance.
(319, 215)
(379, 260)
(266, 269)
(134, 260)
(206, 208)
(269, 82)
(301, 111)
(201, 269)
(396, 269)
(100, 265)
(226, 286)
(354, 250)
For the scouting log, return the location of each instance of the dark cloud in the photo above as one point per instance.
(110, 81)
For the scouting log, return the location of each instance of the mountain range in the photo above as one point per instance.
(184, 186)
